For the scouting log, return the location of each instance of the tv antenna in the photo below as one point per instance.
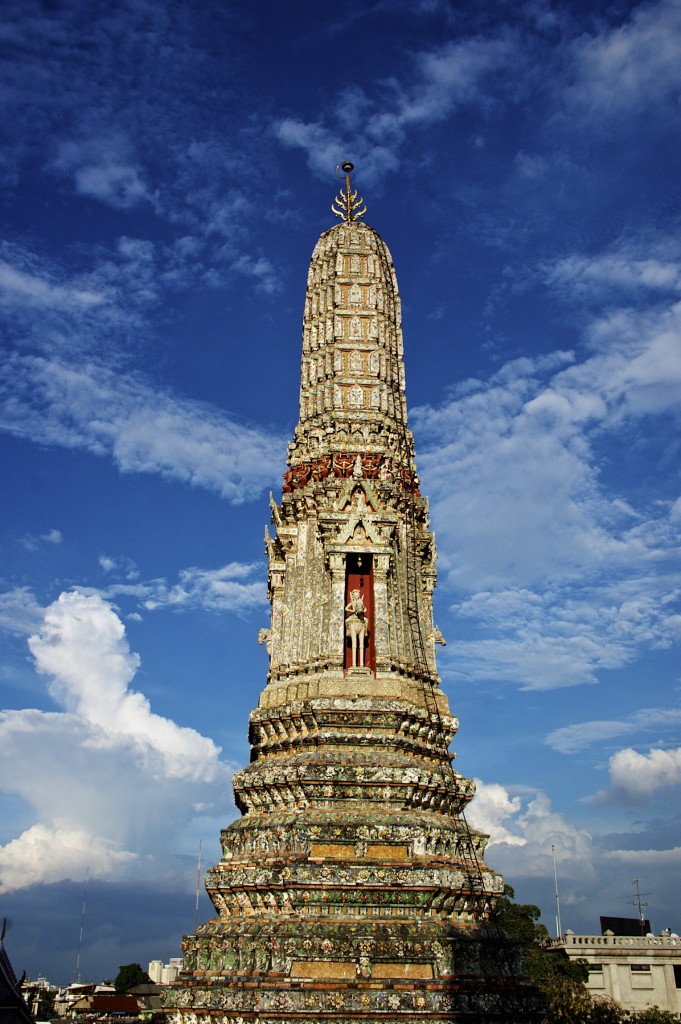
(639, 902)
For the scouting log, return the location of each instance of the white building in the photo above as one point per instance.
(165, 974)
(637, 971)
(155, 970)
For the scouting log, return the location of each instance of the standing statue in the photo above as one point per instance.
(356, 626)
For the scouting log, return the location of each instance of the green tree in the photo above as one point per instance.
(130, 975)
(560, 981)
(519, 921)
(652, 1015)
(45, 1007)
(606, 1011)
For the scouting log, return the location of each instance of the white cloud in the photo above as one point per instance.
(632, 66)
(27, 289)
(32, 543)
(49, 853)
(236, 587)
(523, 828)
(103, 168)
(82, 647)
(571, 576)
(525, 835)
(110, 782)
(442, 80)
(571, 738)
(267, 278)
(225, 589)
(491, 808)
(640, 776)
(655, 859)
(143, 429)
(623, 269)
(20, 613)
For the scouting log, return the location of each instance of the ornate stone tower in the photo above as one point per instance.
(352, 887)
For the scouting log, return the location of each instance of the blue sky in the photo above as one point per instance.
(166, 170)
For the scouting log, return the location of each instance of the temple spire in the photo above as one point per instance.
(352, 887)
(348, 205)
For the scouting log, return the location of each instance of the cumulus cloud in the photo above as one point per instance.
(50, 853)
(491, 808)
(640, 776)
(82, 648)
(527, 833)
(143, 429)
(523, 828)
(110, 782)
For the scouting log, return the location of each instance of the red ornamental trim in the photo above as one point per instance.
(342, 465)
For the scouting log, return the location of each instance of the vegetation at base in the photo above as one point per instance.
(130, 975)
(45, 1004)
(560, 980)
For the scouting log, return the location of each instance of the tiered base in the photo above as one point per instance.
(299, 971)
(352, 888)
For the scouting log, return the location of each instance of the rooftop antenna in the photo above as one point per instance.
(639, 902)
(559, 930)
(76, 973)
(198, 886)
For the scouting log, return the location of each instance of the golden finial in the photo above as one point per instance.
(347, 205)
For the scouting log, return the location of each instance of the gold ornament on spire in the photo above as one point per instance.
(348, 205)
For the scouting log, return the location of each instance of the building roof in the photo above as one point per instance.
(13, 1008)
(105, 1002)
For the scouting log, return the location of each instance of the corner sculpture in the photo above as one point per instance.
(352, 887)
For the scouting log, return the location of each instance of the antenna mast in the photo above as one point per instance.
(559, 930)
(198, 885)
(76, 973)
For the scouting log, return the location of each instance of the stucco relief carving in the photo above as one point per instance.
(356, 397)
(355, 362)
